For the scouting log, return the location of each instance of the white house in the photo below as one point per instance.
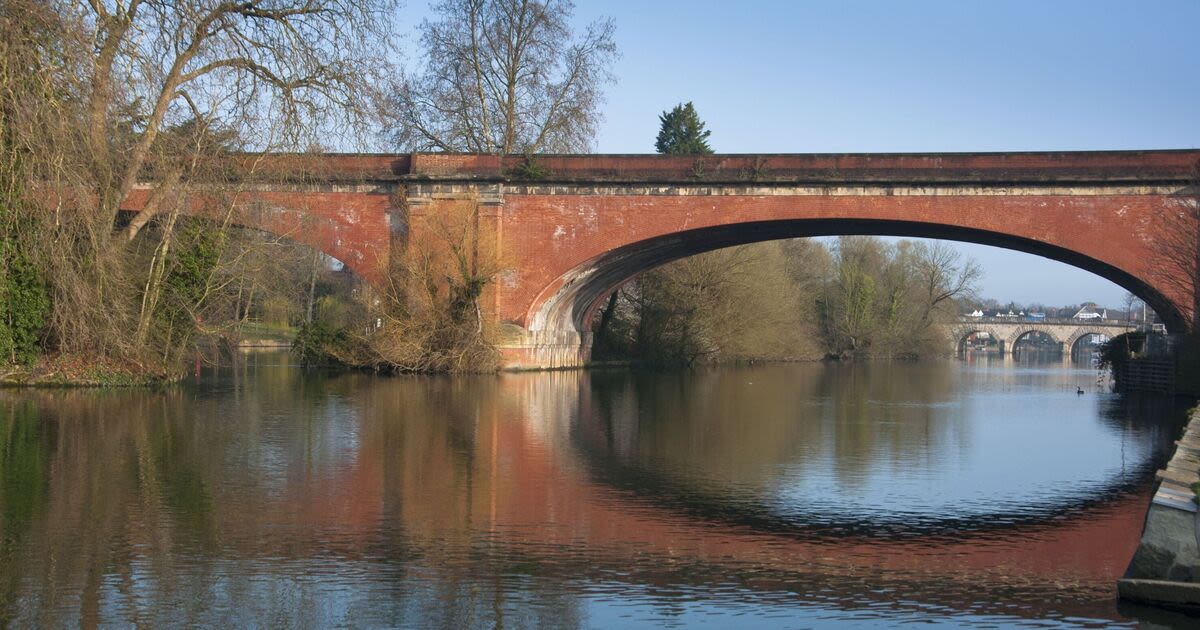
(1088, 311)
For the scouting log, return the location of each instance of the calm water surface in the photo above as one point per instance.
(981, 493)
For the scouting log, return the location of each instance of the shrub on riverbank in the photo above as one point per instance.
(115, 128)
(430, 316)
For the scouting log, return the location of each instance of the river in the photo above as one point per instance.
(973, 493)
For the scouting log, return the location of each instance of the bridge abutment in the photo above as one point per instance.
(522, 349)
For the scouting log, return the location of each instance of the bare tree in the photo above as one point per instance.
(505, 76)
(944, 275)
(1177, 263)
(146, 99)
(163, 63)
(1132, 304)
(428, 318)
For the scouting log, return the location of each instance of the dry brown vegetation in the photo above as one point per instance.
(739, 303)
(431, 315)
(105, 100)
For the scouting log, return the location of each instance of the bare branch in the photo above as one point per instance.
(505, 76)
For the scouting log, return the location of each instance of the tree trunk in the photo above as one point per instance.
(600, 339)
(312, 285)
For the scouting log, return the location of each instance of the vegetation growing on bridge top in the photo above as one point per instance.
(529, 169)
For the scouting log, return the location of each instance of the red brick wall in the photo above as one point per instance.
(549, 235)
(353, 227)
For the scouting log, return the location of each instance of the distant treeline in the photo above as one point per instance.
(856, 296)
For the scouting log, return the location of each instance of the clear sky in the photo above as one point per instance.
(951, 75)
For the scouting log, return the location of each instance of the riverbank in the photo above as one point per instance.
(77, 371)
(67, 371)
(1165, 570)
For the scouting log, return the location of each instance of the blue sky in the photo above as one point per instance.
(847, 76)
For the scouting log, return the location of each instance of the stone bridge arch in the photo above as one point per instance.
(959, 334)
(1021, 331)
(1077, 335)
(1067, 332)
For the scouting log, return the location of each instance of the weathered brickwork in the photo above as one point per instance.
(589, 223)
(552, 235)
(355, 225)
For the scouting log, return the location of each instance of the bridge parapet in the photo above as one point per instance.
(1130, 168)
(1057, 321)
(1030, 168)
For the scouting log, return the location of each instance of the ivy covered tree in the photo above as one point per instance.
(682, 132)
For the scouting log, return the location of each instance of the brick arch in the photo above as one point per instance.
(356, 227)
(586, 223)
(567, 304)
(310, 236)
(318, 231)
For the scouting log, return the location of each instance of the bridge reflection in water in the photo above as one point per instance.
(826, 493)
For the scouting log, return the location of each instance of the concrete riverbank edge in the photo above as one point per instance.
(1165, 570)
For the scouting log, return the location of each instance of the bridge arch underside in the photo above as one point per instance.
(308, 232)
(1030, 334)
(1072, 344)
(570, 302)
(962, 334)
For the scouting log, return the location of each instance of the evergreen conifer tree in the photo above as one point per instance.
(682, 132)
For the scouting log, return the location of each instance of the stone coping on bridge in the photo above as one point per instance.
(1057, 321)
(1172, 166)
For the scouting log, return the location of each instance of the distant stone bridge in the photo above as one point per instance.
(1008, 330)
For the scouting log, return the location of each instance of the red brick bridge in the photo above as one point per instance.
(568, 229)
